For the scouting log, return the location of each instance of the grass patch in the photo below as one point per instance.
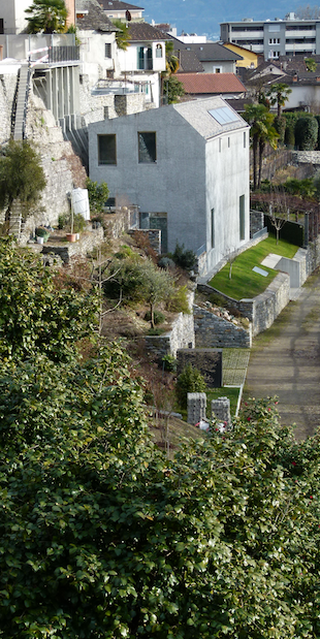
(214, 393)
(244, 282)
(224, 391)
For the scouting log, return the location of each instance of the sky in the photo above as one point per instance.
(204, 16)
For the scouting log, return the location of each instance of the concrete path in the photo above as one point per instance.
(285, 361)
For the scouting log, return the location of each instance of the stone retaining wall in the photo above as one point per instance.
(263, 309)
(181, 335)
(88, 241)
(306, 157)
(216, 332)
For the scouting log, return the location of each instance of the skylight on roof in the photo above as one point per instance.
(223, 115)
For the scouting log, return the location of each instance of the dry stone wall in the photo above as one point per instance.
(215, 332)
(263, 309)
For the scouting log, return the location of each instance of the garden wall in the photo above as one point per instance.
(88, 241)
(263, 309)
(181, 335)
(216, 332)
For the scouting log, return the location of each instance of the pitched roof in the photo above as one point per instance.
(188, 61)
(212, 52)
(93, 17)
(117, 5)
(197, 113)
(200, 83)
(142, 31)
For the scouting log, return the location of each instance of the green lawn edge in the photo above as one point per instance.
(244, 282)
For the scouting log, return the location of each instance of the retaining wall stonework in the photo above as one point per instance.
(263, 309)
(87, 242)
(216, 332)
(180, 336)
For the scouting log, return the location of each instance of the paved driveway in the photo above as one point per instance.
(285, 361)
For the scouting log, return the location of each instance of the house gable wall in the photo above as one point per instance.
(227, 179)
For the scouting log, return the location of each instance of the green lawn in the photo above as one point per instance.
(244, 281)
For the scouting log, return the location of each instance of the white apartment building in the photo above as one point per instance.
(274, 38)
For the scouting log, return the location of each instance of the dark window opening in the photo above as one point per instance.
(107, 149)
(147, 147)
(107, 50)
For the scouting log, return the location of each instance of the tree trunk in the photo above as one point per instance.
(261, 150)
(254, 150)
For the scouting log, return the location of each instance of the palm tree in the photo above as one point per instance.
(262, 132)
(47, 16)
(278, 94)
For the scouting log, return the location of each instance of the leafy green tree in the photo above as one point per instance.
(122, 34)
(103, 536)
(306, 133)
(22, 177)
(172, 88)
(185, 258)
(157, 286)
(262, 132)
(35, 314)
(47, 16)
(98, 195)
(278, 94)
(311, 64)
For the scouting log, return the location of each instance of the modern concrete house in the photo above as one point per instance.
(186, 166)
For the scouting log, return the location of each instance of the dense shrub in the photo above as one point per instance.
(158, 317)
(280, 127)
(306, 133)
(189, 381)
(185, 258)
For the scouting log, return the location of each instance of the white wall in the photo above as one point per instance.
(12, 12)
(227, 179)
(309, 95)
(92, 55)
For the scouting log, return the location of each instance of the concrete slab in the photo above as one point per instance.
(271, 260)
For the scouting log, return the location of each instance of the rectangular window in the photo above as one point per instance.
(147, 147)
(228, 143)
(241, 217)
(107, 153)
(140, 60)
(212, 228)
(244, 140)
(107, 49)
(219, 145)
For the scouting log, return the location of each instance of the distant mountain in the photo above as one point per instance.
(204, 16)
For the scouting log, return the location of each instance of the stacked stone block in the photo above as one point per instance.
(197, 405)
(220, 410)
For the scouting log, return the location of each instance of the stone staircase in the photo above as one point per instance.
(21, 103)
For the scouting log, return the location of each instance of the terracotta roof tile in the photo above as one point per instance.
(211, 83)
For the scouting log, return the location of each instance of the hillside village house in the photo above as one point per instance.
(186, 166)
(145, 58)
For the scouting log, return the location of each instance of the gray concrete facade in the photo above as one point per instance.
(199, 179)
